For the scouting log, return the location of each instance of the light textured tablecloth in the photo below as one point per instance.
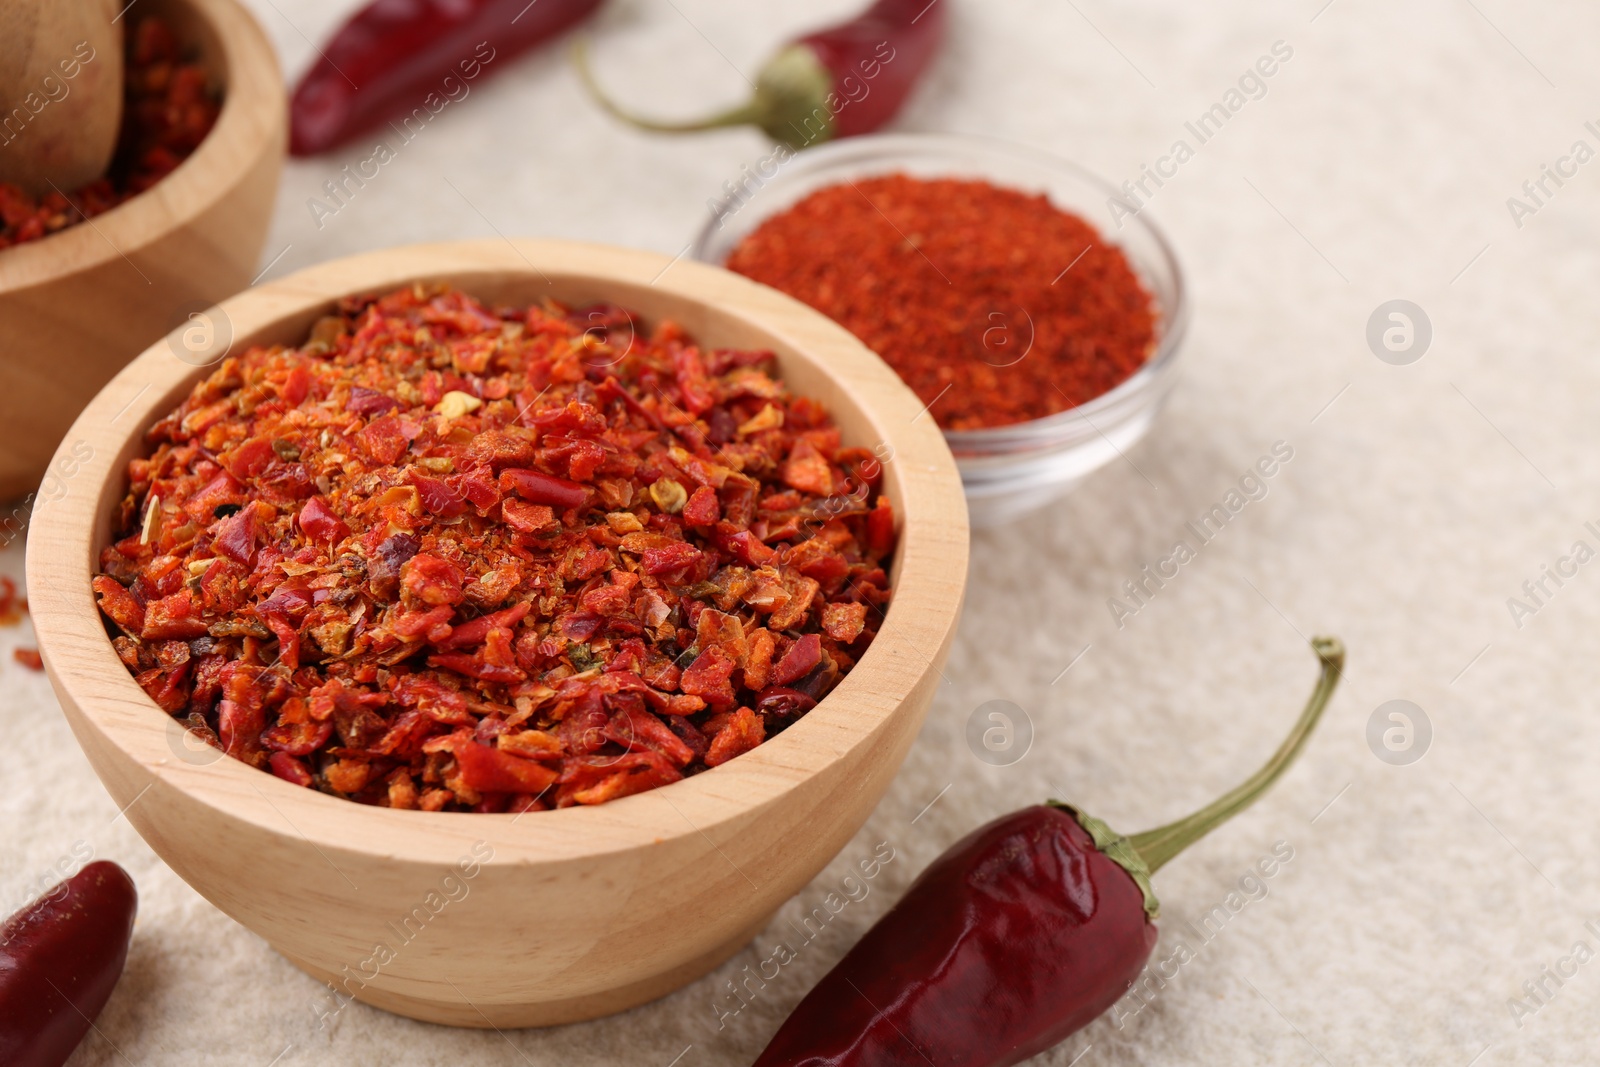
(1419, 498)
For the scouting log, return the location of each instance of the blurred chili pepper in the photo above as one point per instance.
(1019, 935)
(60, 957)
(836, 82)
(394, 56)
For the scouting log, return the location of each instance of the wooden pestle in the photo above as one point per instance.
(60, 91)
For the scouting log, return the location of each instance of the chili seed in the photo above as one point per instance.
(668, 495)
(455, 404)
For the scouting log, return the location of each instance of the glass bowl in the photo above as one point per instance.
(1006, 471)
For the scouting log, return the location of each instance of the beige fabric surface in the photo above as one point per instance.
(1419, 899)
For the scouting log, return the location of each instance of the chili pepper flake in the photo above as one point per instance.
(12, 610)
(12, 606)
(451, 558)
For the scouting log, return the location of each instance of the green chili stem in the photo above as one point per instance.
(746, 114)
(1158, 846)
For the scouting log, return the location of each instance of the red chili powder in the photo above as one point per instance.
(166, 112)
(994, 305)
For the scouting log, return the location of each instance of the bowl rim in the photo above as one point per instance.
(107, 708)
(1038, 433)
(253, 107)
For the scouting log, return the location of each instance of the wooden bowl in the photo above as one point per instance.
(77, 305)
(580, 911)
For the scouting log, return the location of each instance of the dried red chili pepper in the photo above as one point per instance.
(446, 557)
(60, 958)
(1019, 935)
(393, 56)
(844, 80)
(167, 111)
(994, 305)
